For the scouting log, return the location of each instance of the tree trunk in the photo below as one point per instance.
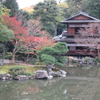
(13, 54)
(3, 54)
(13, 58)
(27, 59)
(55, 30)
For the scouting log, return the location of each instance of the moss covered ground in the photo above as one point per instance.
(5, 68)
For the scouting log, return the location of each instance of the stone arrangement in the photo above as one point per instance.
(40, 74)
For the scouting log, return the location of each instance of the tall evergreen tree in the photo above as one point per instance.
(5, 34)
(48, 12)
(94, 8)
(12, 5)
(75, 6)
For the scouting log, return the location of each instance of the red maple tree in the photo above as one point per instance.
(22, 39)
(19, 31)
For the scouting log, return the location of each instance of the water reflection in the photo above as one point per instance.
(69, 88)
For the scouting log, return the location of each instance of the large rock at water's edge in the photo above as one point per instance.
(63, 72)
(41, 74)
(60, 73)
(5, 77)
(22, 77)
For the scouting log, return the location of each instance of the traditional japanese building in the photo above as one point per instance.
(74, 23)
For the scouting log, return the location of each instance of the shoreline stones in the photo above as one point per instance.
(40, 74)
(43, 74)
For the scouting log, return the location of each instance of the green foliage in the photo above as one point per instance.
(61, 47)
(94, 8)
(1, 48)
(39, 63)
(74, 7)
(32, 61)
(17, 71)
(47, 50)
(54, 55)
(89, 6)
(87, 58)
(47, 59)
(1, 9)
(5, 33)
(47, 11)
(60, 28)
(8, 55)
(96, 60)
(60, 61)
(12, 5)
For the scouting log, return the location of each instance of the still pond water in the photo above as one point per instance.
(80, 84)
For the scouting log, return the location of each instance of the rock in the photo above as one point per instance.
(57, 74)
(63, 72)
(2, 77)
(8, 75)
(41, 74)
(50, 77)
(60, 73)
(31, 77)
(22, 77)
(49, 69)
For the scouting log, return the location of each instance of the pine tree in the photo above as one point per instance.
(54, 55)
(12, 5)
(94, 8)
(48, 12)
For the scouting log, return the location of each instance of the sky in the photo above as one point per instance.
(27, 3)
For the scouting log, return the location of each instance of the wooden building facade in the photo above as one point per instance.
(74, 23)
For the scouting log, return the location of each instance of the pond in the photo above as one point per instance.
(80, 84)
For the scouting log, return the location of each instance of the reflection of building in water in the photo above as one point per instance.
(83, 90)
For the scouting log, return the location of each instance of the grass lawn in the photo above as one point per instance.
(4, 69)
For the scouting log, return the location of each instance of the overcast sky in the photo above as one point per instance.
(27, 3)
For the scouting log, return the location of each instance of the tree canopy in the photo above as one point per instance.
(94, 8)
(12, 5)
(48, 12)
(5, 33)
(54, 55)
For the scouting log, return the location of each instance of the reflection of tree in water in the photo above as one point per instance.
(54, 90)
(28, 90)
(72, 88)
(18, 90)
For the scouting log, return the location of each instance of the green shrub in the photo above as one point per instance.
(32, 61)
(96, 60)
(39, 63)
(8, 55)
(53, 55)
(14, 71)
(47, 59)
(86, 58)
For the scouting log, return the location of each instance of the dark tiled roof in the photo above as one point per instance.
(70, 20)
